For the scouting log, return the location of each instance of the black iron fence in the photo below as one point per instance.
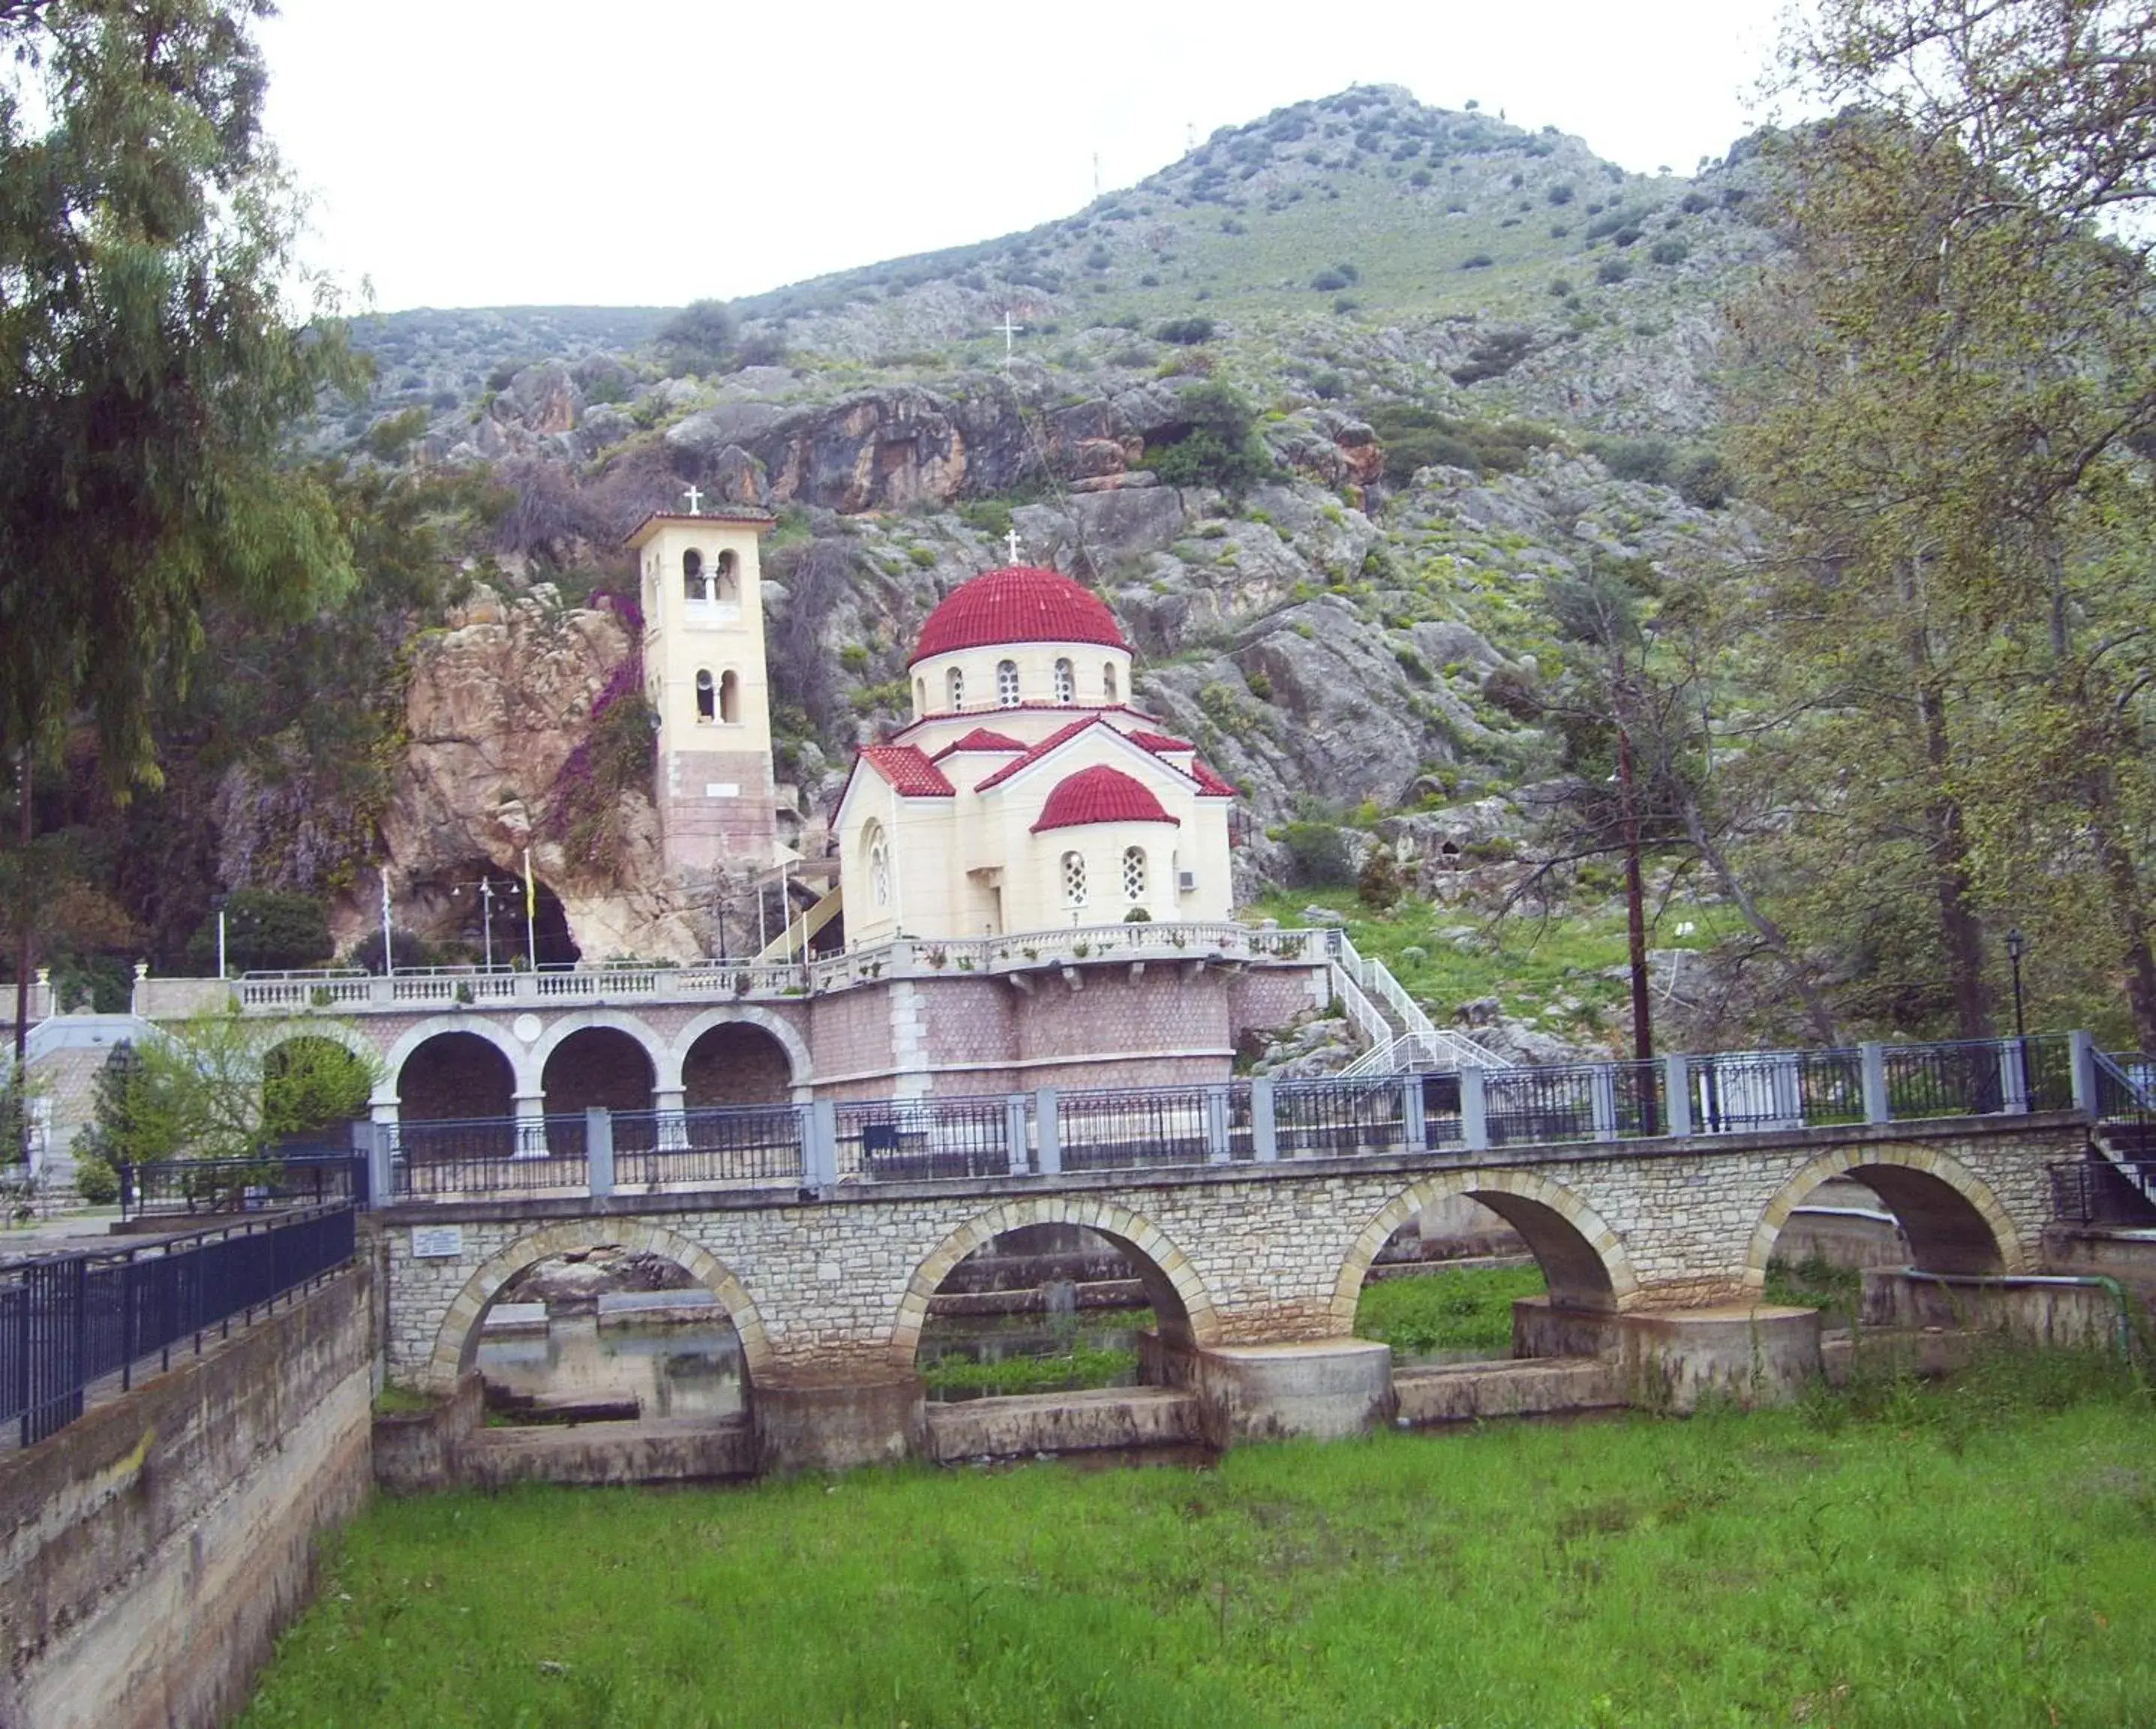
(183, 1188)
(1675, 1098)
(658, 1149)
(2101, 1191)
(68, 1322)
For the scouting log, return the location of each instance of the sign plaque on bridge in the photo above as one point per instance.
(437, 1242)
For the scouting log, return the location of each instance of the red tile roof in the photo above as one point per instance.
(1209, 784)
(979, 739)
(913, 775)
(1100, 794)
(1018, 604)
(1160, 742)
(1061, 734)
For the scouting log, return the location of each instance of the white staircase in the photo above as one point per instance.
(1402, 1037)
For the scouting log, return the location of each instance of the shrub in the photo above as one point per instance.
(1625, 236)
(1098, 259)
(1477, 261)
(1320, 854)
(1186, 331)
(1693, 203)
(1613, 271)
(1706, 482)
(1221, 446)
(1328, 281)
(95, 1181)
(1137, 915)
(1561, 286)
(1345, 305)
(1561, 193)
(1669, 251)
(697, 339)
(1380, 884)
(1651, 459)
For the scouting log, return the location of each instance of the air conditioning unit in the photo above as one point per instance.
(1186, 882)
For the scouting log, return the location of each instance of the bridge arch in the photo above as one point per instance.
(567, 1027)
(1178, 1295)
(675, 1057)
(524, 1073)
(456, 1343)
(1582, 1259)
(1954, 1221)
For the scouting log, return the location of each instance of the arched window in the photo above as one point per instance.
(1074, 878)
(729, 584)
(1134, 873)
(692, 575)
(730, 698)
(877, 846)
(1007, 684)
(1108, 680)
(954, 688)
(1066, 682)
(706, 697)
(921, 696)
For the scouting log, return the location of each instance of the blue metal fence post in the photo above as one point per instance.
(1871, 1062)
(1677, 1090)
(1265, 1135)
(599, 1150)
(1474, 1110)
(2081, 1056)
(1048, 1131)
(1218, 1149)
(1016, 1115)
(1414, 1131)
(2013, 1077)
(1602, 1100)
(819, 1144)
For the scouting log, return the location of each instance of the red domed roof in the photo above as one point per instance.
(1100, 794)
(1018, 604)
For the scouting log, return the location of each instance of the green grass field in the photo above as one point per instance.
(1975, 1554)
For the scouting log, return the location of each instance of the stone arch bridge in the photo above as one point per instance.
(1249, 1261)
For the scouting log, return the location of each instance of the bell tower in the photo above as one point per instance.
(703, 665)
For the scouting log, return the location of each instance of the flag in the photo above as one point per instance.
(531, 889)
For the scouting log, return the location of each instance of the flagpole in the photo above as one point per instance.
(388, 949)
(530, 905)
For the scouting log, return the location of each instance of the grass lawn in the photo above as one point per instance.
(1459, 1309)
(1976, 1554)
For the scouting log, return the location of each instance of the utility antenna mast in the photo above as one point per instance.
(1096, 173)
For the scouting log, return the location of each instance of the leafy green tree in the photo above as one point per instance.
(149, 368)
(264, 928)
(1218, 445)
(699, 338)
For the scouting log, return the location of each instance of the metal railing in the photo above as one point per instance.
(2097, 1190)
(68, 1322)
(189, 1188)
(1673, 1102)
(717, 1147)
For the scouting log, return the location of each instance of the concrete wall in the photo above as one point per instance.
(152, 1552)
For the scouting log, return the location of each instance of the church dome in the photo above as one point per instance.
(1019, 603)
(1100, 794)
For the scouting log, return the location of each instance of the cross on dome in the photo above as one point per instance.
(1010, 539)
(695, 498)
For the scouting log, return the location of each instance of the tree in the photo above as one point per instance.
(264, 928)
(150, 367)
(699, 338)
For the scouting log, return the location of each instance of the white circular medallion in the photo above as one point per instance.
(526, 1027)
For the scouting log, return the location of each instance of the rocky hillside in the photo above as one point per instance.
(1438, 360)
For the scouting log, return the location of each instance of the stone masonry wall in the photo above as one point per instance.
(1259, 1253)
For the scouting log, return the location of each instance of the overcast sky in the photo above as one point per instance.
(492, 153)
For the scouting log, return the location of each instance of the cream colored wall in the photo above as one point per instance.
(680, 638)
(927, 895)
(1036, 674)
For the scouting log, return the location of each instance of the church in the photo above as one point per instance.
(1026, 793)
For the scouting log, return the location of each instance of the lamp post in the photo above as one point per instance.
(2017, 943)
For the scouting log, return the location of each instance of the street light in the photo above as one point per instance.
(2015, 944)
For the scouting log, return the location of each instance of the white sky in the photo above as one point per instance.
(497, 152)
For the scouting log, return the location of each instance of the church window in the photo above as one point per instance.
(1074, 878)
(878, 846)
(706, 697)
(1108, 680)
(729, 582)
(730, 698)
(921, 696)
(1066, 682)
(954, 688)
(1134, 873)
(1007, 684)
(692, 575)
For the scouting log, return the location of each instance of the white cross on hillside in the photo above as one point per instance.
(1010, 331)
(1010, 539)
(695, 499)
